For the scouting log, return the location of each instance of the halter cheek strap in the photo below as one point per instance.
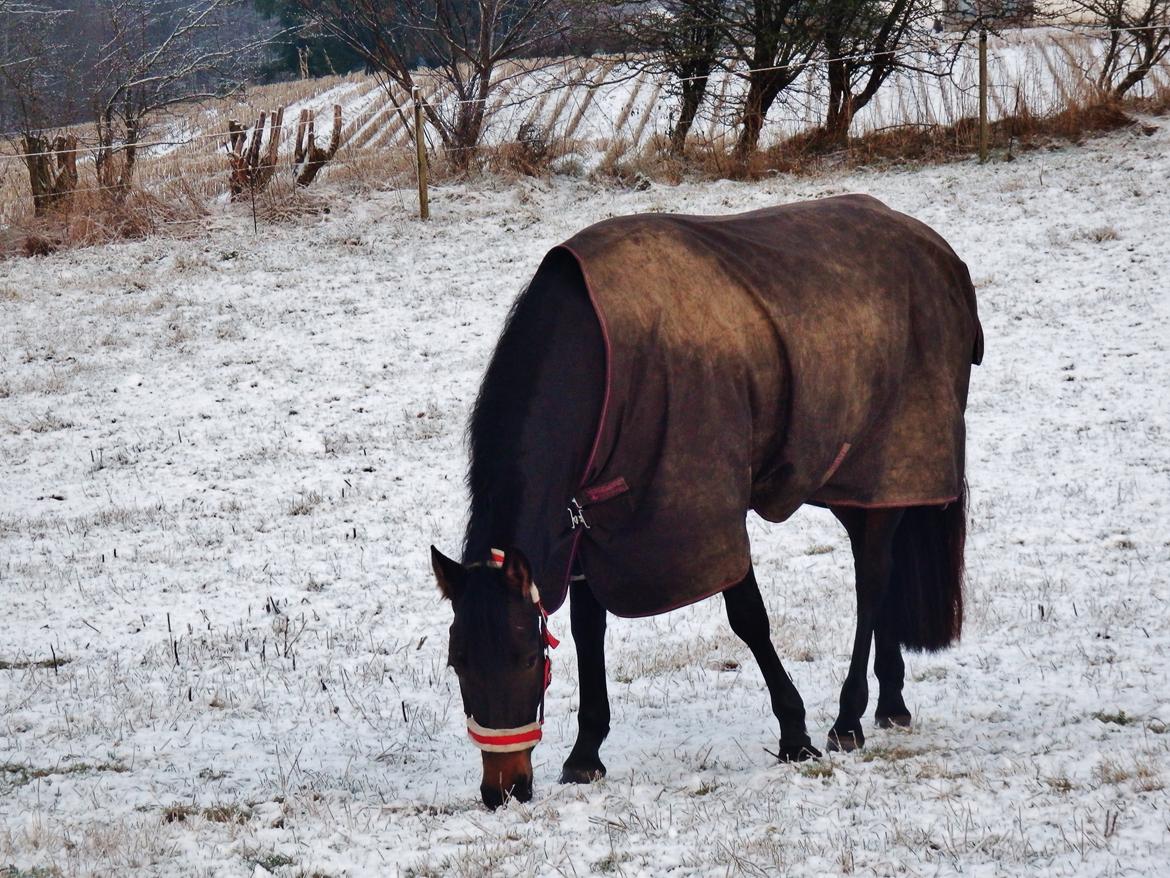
(522, 737)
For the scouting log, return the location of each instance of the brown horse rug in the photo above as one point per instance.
(811, 353)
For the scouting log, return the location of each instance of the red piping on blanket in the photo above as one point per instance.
(897, 504)
(604, 406)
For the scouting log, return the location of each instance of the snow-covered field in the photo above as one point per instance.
(223, 459)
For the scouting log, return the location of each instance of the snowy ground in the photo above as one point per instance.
(223, 460)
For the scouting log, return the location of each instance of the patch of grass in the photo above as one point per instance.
(180, 812)
(1144, 774)
(891, 753)
(34, 872)
(306, 503)
(611, 862)
(818, 549)
(49, 423)
(705, 787)
(1060, 783)
(1118, 718)
(933, 770)
(1100, 235)
(226, 814)
(19, 774)
(822, 768)
(25, 664)
(269, 860)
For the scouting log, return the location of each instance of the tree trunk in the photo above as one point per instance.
(52, 170)
(763, 89)
(840, 112)
(114, 177)
(693, 91)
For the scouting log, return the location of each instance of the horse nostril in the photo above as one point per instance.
(492, 796)
(522, 790)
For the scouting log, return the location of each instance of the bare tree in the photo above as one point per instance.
(865, 42)
(1136, 40)
(308, 158)
(29, 71)
(774, 40)
(251, 169)
(767, 43)
(682, 38)
(155, 54)
(465, 40)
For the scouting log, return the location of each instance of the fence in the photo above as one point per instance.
(579, 114)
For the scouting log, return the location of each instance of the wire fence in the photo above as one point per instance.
(574, 114)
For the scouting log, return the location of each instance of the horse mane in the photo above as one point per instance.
(497, 417)
(550, 353)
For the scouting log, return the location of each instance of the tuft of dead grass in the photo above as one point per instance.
(25, 664)
(90, 218)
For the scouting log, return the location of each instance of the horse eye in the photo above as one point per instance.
(532, 660)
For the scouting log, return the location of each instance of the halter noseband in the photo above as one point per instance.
(522, 737)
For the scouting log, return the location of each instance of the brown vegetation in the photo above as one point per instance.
(372, 149)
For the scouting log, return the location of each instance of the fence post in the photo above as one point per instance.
(982, 95)
(420, 142)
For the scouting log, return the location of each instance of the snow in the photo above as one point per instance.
(224, 460)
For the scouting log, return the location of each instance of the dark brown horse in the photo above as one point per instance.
(662, 375)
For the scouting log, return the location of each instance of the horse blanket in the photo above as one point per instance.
(816, 352)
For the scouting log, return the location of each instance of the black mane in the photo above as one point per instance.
(494, 479)
(549, 355)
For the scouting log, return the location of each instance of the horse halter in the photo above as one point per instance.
(522, 737)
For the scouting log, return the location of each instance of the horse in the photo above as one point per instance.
(660, 376)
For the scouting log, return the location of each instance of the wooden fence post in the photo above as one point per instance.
(982, 95)
(420, 142)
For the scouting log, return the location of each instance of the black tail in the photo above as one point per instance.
(924, 606)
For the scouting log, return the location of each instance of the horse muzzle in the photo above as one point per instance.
(506, 776)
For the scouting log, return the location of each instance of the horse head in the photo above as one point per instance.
(499, 650)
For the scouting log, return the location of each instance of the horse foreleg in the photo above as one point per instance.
(749, 620)
(871, 534)
(588, 623)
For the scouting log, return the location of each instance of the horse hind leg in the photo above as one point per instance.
(871, 535)
(890, 671)
(923, 605)
(749, 620)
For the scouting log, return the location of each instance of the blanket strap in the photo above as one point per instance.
(591, 497)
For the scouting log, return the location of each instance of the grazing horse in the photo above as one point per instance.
(660, 376)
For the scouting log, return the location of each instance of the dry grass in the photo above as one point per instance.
(90, 218)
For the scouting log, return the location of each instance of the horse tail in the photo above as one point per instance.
(924, 604)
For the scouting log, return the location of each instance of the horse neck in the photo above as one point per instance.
(536, 417)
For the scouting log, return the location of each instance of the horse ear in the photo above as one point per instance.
(448, 574)
(517, 572)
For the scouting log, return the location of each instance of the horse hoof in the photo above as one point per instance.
(798, 752)
(845, 742)
(582, 773)
(892, 720)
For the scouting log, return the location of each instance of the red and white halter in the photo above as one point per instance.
(522, 737)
